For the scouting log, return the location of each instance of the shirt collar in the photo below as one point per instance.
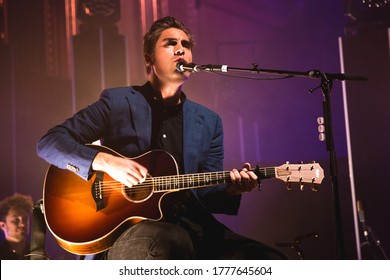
(154, 97)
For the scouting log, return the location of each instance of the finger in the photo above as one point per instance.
(235, 176)
(131, 180)
(143, 171)
(252, 176)
(244, 175)
(138, 172)
(249, 181)
(247, 165)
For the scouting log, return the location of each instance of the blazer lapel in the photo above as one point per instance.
(192, 128)
(142, 121)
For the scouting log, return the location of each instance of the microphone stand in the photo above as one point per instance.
(326, 87)
(370, 232)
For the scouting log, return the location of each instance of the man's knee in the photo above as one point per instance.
(153, 240)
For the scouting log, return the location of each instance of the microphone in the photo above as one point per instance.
(183, 66)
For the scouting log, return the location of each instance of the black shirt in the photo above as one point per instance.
(6, 252)
(167, 133)
(167, 125)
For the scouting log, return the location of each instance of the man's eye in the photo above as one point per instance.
(187, 45)
(171, 43)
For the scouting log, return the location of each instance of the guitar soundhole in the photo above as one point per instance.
(140, 192)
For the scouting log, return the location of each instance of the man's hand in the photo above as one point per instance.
(242, 181)
(123, 170)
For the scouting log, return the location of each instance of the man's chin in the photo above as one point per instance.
(21, 236)
(184, 76)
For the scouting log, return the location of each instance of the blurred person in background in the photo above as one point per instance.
(15, 213)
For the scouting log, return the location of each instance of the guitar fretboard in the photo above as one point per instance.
(197, 180)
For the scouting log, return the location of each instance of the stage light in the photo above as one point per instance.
(98, 12)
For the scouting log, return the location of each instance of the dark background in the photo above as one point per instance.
(55, 59)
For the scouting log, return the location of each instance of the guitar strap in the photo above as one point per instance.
(38, 233)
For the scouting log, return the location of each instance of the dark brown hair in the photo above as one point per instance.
(16, 201)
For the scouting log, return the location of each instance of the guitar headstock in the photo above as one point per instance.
(310, 173)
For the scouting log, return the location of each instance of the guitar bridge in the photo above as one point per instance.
(96, 191)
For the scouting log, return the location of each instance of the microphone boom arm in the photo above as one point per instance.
(313, 74)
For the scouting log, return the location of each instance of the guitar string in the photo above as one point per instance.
(178, 180)
(184, 181)
(184, 178)
(162, 184)
(175, 180)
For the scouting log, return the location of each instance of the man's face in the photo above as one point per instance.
(172, 46)
(16, 225)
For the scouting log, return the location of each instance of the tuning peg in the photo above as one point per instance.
(314, 187)
(289, 187)
(301, 185)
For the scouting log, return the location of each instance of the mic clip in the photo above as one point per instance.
(183, 66)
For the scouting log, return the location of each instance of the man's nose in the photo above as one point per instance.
(22, 222)
(179, 51)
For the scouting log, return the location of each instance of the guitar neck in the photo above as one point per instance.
(198, 180)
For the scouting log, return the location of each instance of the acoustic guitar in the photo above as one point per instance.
(86, 217)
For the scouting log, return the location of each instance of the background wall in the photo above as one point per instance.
(53, 62)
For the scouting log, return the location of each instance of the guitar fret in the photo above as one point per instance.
(157, 184)
(171, 179)
(189, 180)
(165, 182)
(177, 183)
(165, 185)
(221, 178)
(267, 172)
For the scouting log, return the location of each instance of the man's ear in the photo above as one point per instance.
(148, 59)
(2, 225)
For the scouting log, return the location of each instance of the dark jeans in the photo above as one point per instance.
(149, 240)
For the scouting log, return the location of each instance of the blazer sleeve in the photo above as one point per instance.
(64, 144)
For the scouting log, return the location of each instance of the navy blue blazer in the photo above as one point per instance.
(121, 119)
